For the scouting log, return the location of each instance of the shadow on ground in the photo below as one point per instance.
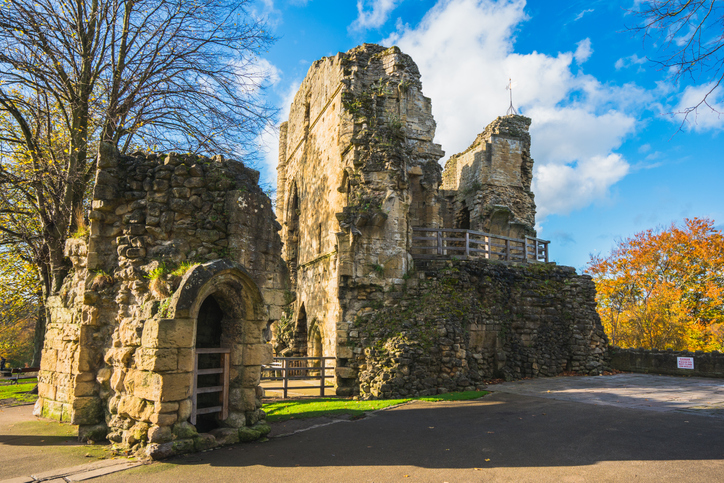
(502, 430)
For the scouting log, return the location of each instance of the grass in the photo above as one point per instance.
(16, 394)
(312, 408)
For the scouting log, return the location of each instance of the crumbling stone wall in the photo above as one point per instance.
(453, 324)
(490, 181)
(167, 233)
(358, 169)
(355, 155)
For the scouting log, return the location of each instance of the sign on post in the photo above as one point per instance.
(685, 362)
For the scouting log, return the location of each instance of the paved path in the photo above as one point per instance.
(692, 395)
(613, 428)
(506, 436)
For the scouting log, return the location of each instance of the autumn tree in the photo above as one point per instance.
(688, 38)
(664, 289)
(165, 74)
(20, 291)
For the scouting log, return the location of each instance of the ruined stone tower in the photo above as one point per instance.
(357, 168)
(487, 186)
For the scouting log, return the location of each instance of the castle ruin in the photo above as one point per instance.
(415, 279)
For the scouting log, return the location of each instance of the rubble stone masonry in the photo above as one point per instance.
(178, 244)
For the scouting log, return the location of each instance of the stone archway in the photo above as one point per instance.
(219, 305)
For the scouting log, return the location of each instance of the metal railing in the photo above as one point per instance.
(472, 244)
(287, 369)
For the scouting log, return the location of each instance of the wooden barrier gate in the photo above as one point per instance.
(223, 388)
(287, 369)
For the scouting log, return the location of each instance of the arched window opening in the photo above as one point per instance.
(292, 241)
(300, 334)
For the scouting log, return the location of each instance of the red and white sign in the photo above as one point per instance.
(685, 362)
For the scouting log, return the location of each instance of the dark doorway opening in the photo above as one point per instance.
(300, 334)
(462, 218)
(208, 336)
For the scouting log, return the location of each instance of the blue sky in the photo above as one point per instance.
(611, 155)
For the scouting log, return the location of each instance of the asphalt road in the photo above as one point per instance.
(503, 437)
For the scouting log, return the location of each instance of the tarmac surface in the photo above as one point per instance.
(627, 427)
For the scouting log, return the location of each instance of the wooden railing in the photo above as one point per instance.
(450, 242)
(222, 387)
(287, 369)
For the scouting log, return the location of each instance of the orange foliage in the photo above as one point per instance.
(664, 289)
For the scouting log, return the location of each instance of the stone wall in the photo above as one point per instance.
(450, 325)
(490, 181)
(357, 162)
(175, 240)
(706, 364)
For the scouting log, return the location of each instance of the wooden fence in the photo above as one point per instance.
(222, 386)
(448, 242)
(287, 369)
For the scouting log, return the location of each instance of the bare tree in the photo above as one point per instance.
(165, 74)
(688, 36)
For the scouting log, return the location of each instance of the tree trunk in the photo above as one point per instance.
(39, 337)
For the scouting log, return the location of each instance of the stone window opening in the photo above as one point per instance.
(315, 348)
(300, 334)
(462, 218)
(306, 118)
(292, 241)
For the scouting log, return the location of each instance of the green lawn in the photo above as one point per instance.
(311, 408)
(16, 394)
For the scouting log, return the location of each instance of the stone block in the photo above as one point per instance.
(247, 434)
(257, 354)
(225, 436)
(184, 409)
(86, 411)
(345, 372)
(344, 352)
(162, 387)
(186, 360)
(165, 419)
(205, 441)
(183, 446)
(156, 360)
(160, 434)
(248, 397)
(184, 430)
(250, 376)
(157, 451)
(169, 333)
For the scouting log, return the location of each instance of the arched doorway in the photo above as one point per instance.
(208, 336)
(222, 305)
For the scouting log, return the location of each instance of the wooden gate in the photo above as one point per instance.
(287, 369)
(222, 388)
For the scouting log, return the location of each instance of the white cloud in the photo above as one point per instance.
(583, 51)
(629, 61)
(580, 15)
(708, 116)
(269, 139)
(373, 13)
(465, 52)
